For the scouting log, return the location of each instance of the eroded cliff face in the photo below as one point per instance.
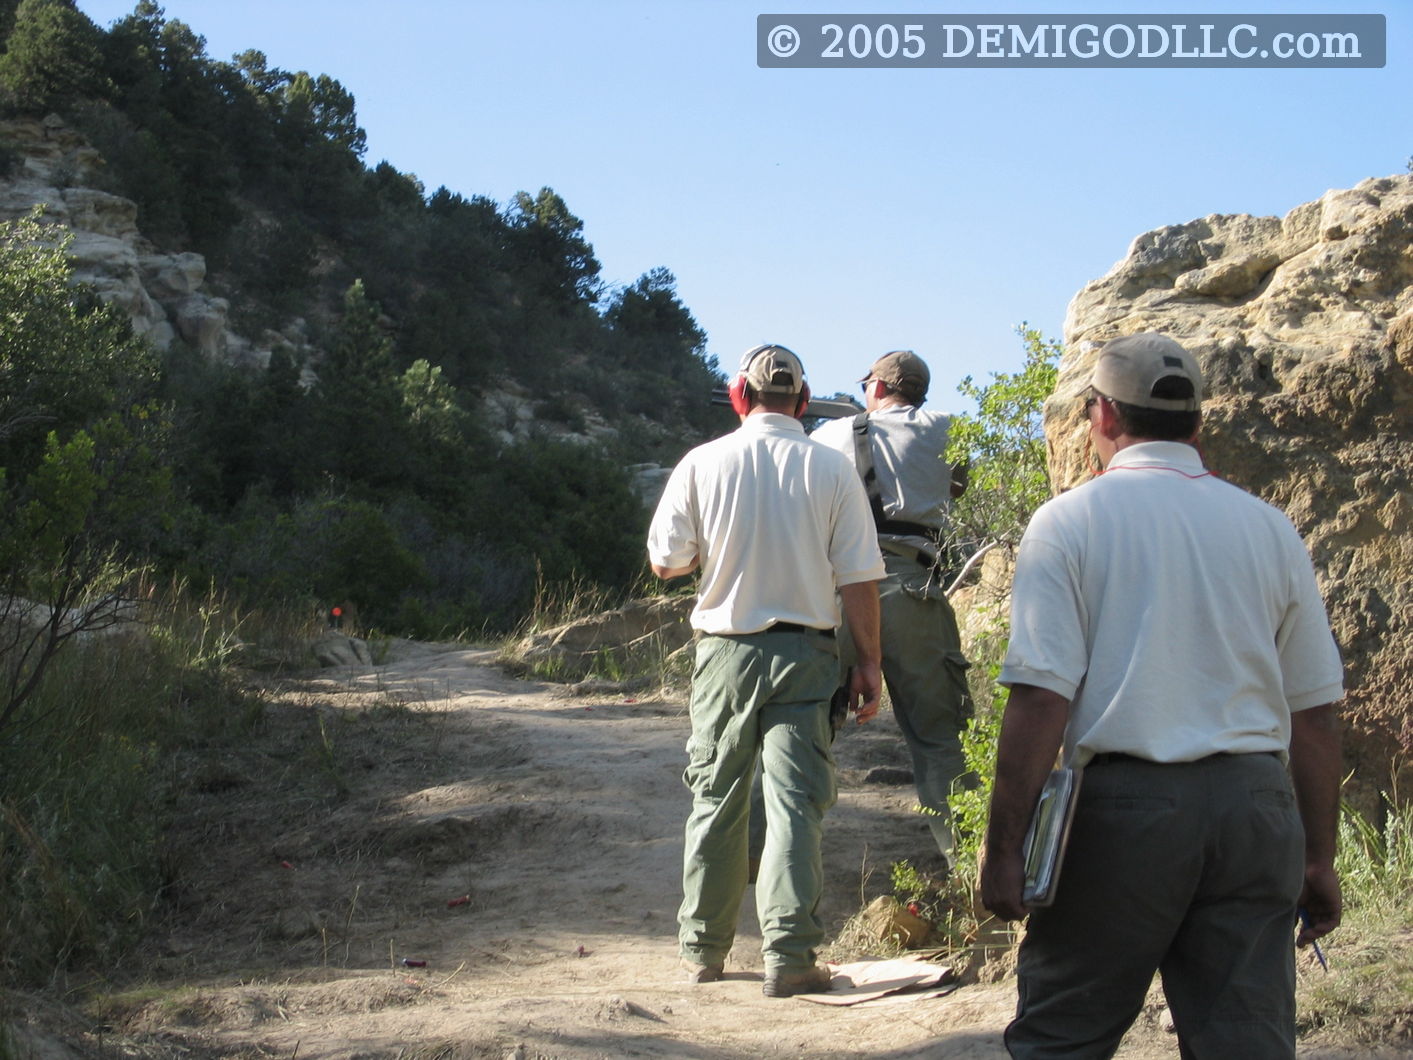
(1304, 329)
(162, 292)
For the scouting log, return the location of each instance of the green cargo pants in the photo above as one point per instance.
(926, 674)
(758, 697)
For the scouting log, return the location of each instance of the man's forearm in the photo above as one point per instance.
(1316, 772)
(861, 614)
(674, 572)
(1032, 730)
(861, 611)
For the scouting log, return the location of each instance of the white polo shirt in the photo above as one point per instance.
(1178, 613)
(778, 522)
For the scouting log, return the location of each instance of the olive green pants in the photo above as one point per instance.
(758, 698)
(926, 674)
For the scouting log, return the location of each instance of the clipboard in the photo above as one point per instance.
(1048, 835)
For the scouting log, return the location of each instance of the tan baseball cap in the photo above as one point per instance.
(1130, 367)
(902, 370)
(771, 369)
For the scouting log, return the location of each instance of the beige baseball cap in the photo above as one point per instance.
(1130, 367)
(771, 369)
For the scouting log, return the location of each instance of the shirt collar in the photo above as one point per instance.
(772, 423)
(1177, 455)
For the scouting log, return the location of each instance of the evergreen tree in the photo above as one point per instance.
(52, 58)
(362, 418)
(550, 250)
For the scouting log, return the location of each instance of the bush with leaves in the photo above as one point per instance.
(81, 460)
(1004, 444)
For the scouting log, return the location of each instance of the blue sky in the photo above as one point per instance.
(842, 213)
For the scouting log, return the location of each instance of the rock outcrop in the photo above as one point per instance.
(570, 651)
(1304, 328)
(162, 292)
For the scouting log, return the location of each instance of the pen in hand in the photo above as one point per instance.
(1319, 954)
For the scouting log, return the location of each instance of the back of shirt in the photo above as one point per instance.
(777, 521)
(909, 447)
(1178, 613)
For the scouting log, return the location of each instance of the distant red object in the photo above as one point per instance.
(336, 611)
(286, 865)
(408, 962)
(463, 900)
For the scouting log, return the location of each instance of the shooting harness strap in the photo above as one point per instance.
(863, 460)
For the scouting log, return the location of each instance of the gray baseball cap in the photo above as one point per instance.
(1130, 367)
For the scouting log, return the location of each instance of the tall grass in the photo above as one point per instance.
(82, 776)
(649, 660)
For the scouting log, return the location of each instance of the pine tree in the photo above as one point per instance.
(52, 58)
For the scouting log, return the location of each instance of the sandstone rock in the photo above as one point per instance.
(161, 292)
(53, 152)
(201, 322)
(1304, 328)
(98, 212)
(170, 276)
(659, 623)
(887, 919)
(648, 481)
(337, 649)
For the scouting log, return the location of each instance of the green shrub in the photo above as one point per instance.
(81, 783)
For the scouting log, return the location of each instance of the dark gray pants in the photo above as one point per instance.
(1191, 870)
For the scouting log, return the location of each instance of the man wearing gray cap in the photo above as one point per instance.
(777, 524)
(897, 447)
(1167, 634)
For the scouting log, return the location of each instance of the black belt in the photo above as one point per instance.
(898, 528)
(795, 627)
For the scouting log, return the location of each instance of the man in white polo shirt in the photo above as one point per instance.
(1167, 632)
(777, 523)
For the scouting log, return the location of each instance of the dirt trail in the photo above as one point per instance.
(523, 843)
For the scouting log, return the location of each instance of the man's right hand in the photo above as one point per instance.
(1321, 903)
(865, 690)
(1003, 883)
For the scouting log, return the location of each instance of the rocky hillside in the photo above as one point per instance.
(167, 296)
(162, 292)
(1304, 327)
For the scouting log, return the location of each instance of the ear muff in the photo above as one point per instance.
(740, 401)
(738, 390)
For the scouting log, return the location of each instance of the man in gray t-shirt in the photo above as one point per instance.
(911, 487)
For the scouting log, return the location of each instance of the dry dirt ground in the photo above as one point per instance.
(434, 859)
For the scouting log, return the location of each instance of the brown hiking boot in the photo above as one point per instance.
(787, 984)
(701, 973)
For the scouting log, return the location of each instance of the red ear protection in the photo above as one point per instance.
(804, 400)
(741, 401)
